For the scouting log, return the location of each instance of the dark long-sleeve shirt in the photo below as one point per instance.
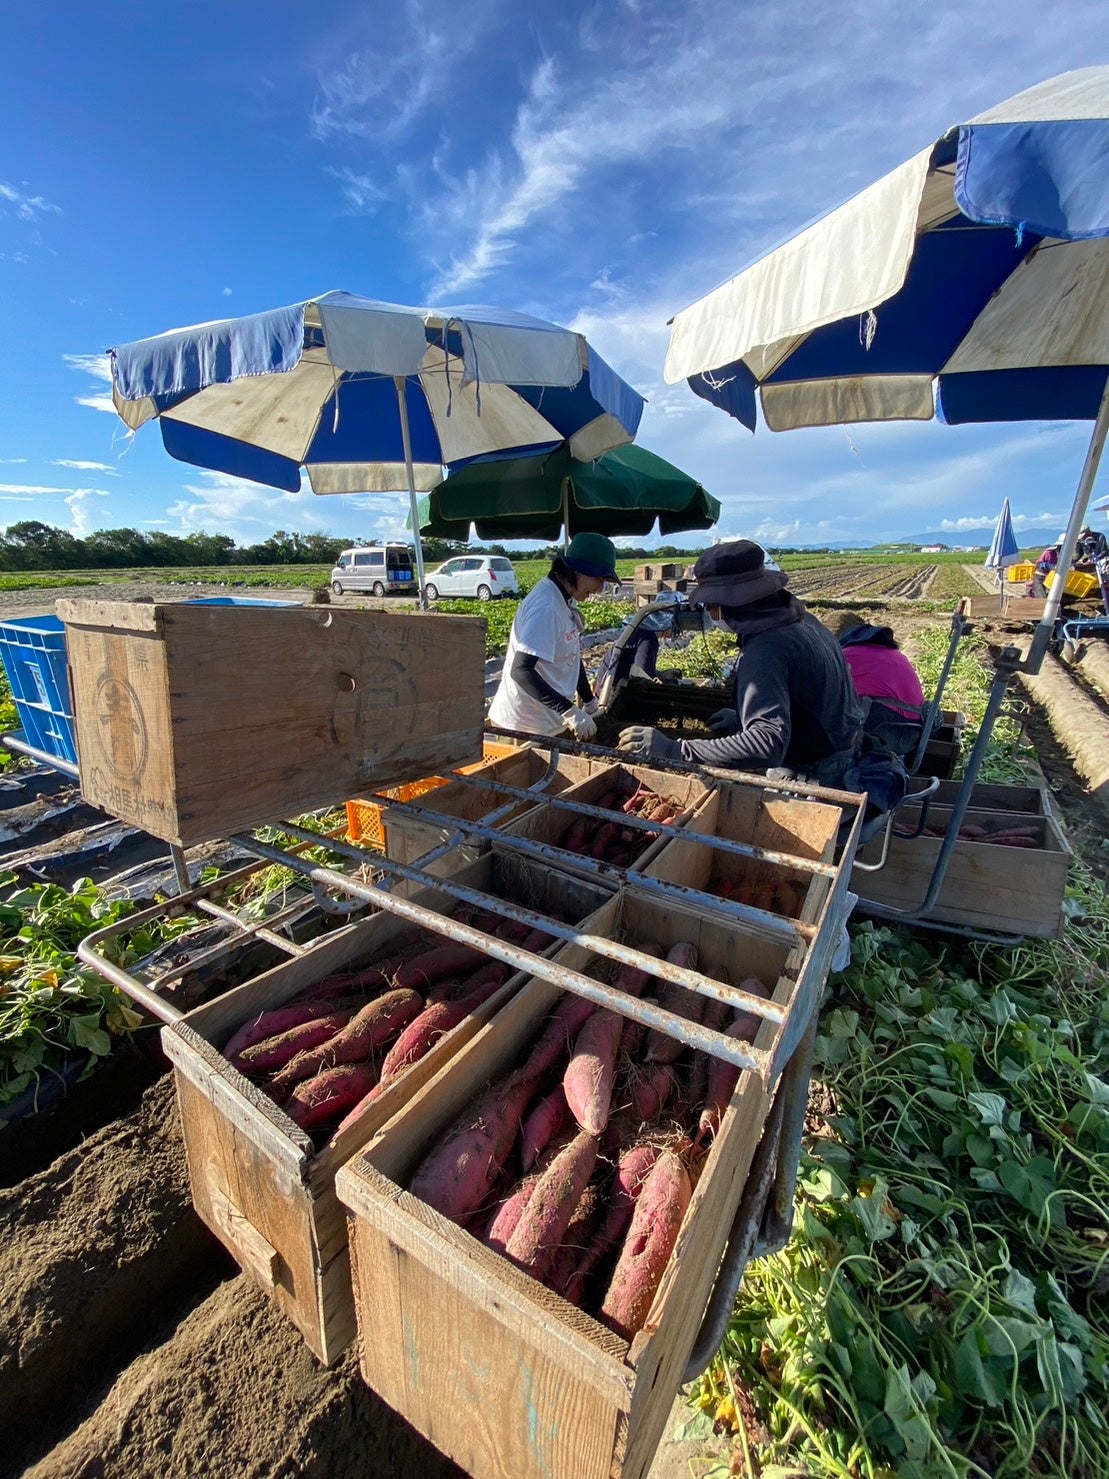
(795, 699)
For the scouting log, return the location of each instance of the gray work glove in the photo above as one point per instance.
(724, 721)
(580, 724)
(646, 743)
(591, 707)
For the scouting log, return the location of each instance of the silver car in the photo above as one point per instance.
(480, 576)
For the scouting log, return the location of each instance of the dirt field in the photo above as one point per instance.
(133, 1348)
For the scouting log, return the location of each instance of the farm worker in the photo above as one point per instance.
(634, 653)
(1090, 548)
(1045, 565)
(543, 672)
(796, 710)
(885, 680)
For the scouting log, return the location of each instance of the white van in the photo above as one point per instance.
(375, 568)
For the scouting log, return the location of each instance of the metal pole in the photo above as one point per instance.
(406, 441)
(1046, 629)
(180, 868)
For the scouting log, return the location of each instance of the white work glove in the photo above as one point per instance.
(580, 724)
(592, 707)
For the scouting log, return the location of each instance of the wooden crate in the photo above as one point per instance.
(407, 839)
(549, 824)
(257, 1180)
(1016, 608)
(764, 817)
(197, 721)
(1008, 890)
(499, 1373)
(986, 796)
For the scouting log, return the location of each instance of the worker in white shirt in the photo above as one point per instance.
(544, 688)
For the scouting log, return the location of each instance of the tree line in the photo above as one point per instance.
(32, 545)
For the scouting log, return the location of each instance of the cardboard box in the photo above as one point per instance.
(257, 1180)
(196, 721)
(502, 1375)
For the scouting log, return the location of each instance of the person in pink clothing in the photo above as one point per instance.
(885, 677)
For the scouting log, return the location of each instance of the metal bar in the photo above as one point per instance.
(399, 382)
(1046, 627)
(263, 929)
(958, 627)
(180, 868)
(17, 743)
(692, 1034)
(636, 823)
(768, 926)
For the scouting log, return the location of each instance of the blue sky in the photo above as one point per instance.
(602, 165)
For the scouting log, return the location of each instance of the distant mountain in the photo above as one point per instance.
(1041, 535)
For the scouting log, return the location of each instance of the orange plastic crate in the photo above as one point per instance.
(364, 821)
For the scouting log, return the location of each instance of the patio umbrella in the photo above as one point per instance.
(368, 396)
(1003, 548)
(971, 283)
(622, 492)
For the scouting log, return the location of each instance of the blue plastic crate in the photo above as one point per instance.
(235, 601)
(33, 652)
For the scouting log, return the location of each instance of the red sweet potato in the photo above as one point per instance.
(424, 970)
(553, 1043)
(271, 1024)
(274, 1052)
(632, 1169)
(570, 1252)
(378, 974)
(459, 1173)
(552, 1205)
(722, 1079)
(577, 834)
(606, 834)
(368, 1029)
(651, 1087)
(679, 999)
(650, 1240)
(542, 1123)
(327, 1097)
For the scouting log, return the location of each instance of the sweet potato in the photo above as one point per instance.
(590, 1073)
(662, 1048)
(327, 1097)
(368, 1029)
(722, 1079)
(274, 1052)
(651, 1087)
(576, 835)
(552, 1205)
(553, 1043)
(571, 1250)
(378, 974)
(650, 1240)
(607, 833)
(459, 1173)
(542, 1123)
(271, 1024)
(422, 971)
(632, 1169)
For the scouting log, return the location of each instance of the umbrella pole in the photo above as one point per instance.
(406, 442)
(565, 513)
(1046, 629)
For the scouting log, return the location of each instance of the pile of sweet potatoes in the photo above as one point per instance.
(778, 896)
(579, 1164)
(339, 1043)
(608, 841)
(1004, 834)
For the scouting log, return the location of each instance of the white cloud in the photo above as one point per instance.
(226, 292)
(248, 512)
(80, 521)
(26, 207)
(85, 466)
(97, 367)
(360, 192)
(11, 461)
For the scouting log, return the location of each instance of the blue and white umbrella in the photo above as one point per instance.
(368, 396)
(1003, 547)
(971, 283)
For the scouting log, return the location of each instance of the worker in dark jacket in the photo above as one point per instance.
(796, 711)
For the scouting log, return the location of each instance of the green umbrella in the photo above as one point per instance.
(623, 492)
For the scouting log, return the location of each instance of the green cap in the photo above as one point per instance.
(592, 554)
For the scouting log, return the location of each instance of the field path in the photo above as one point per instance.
(987, 579)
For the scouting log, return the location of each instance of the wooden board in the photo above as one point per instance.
(256, 1179)
(1015, 608)
(504, 1377)
(197, 721)
(1008, 890)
